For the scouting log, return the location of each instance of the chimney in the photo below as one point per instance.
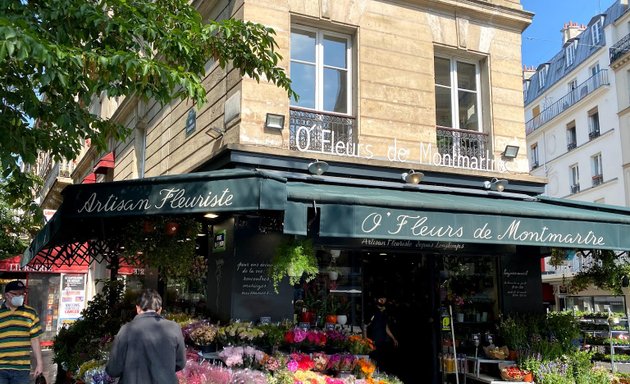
(528, 72)
(571, 30)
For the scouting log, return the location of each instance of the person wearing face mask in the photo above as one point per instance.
(378, 330)
(19, 334)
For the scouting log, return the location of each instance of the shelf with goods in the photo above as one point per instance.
(607, 334)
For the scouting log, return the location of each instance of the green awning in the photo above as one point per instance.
(86, 206)
(473, 217)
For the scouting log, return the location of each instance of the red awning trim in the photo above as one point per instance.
(89, 179)
(106, 163)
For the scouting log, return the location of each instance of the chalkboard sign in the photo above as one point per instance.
(521, 281)
(254, 278)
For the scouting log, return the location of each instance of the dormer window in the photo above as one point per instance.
(542, 75)
(525, 87)
(596, 29)
(569, 52)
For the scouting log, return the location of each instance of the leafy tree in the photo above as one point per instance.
(56, 55)
(17, 225)
(607, 270)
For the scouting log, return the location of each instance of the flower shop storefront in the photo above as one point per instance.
(427, 248)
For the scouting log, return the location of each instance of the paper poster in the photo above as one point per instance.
(72, 298)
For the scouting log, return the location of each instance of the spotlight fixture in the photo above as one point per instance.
(412, 177)
(273, 121)
(318, 167)
(495, 184)
(510, 151)
(210, 215)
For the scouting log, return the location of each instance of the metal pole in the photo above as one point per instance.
(450, 313)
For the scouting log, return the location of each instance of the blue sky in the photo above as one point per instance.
(542, 39)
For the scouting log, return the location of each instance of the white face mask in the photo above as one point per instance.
(17, 301)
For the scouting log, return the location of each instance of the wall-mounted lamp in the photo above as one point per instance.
(495, 184)
(273, 121)
(210, 215)
(510, 151)
(412, 177)
(318, 167)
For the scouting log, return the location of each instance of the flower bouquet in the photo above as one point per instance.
(304, 361)
(93, 372)
(239, 334)
(360, 345)
(204, 334)
(242, 357)
(364, 368)
(335, 340)
(320, 361)
(341, 362)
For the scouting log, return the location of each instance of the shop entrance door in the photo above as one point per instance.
(408, 282)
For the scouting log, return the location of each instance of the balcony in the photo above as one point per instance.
(575, 188)
(589, 86)
(571, 146)
(56, 176)
(620, 48)
(597, 180)
(593, 134)
(461, 142)
(311, 131)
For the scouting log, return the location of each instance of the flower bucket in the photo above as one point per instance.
(208, 348)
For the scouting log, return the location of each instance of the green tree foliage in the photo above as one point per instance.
(606, 271)
(55, 55)
(17, 225)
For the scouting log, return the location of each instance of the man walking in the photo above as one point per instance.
(19, 333)
(149, 349)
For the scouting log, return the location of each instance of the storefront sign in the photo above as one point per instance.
(396, 224)
(307, 139)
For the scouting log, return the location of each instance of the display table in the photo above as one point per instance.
(476, 375)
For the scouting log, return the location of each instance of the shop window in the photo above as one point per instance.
(321, 71)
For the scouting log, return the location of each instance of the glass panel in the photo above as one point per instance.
(468, 116)
(443, 108)
(442, 71)
(335, 90)
(615, 303)
(335, 49)
(303, 83)
(466, 78)
(303, 46)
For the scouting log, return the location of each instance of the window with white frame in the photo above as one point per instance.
(594, 69)
(596, 31)
(457, 94)
(574, 175)
(596, 169)
(321, 69)
(533, 155)
(542, 75)
(569, 53)
(593, 123)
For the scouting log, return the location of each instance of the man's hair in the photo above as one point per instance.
(149, 300)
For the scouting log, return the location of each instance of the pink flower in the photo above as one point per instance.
(292, 366)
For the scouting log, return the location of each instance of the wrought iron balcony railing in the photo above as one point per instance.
(597, 180)
(619, 49)
(589, 86)
(593, 134)
(571, 146)
(311, 131)
(461, 142)
(575, 188)
(53, 171)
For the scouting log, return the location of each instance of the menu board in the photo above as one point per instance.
(521, 281)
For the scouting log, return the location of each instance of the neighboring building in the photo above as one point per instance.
(577, 117)
(394, 161)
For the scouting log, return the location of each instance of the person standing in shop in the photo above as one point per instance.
(19, 334)
(149, 349)
(378, 330)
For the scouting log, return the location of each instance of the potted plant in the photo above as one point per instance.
(343, 308)
(294, 258)
(204, 336)
(514, 333)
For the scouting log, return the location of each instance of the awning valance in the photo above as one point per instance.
(482, 217)
(80, 217)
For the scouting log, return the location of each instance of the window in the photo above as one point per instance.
(595, 69)
(593, 123)
(596, 31)
(569, 53)
(320, 70)
(571, 136)
(596, 169)
(572, 92)
(457, 95)
(533, 155)
(542, 74)
(574, 178)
